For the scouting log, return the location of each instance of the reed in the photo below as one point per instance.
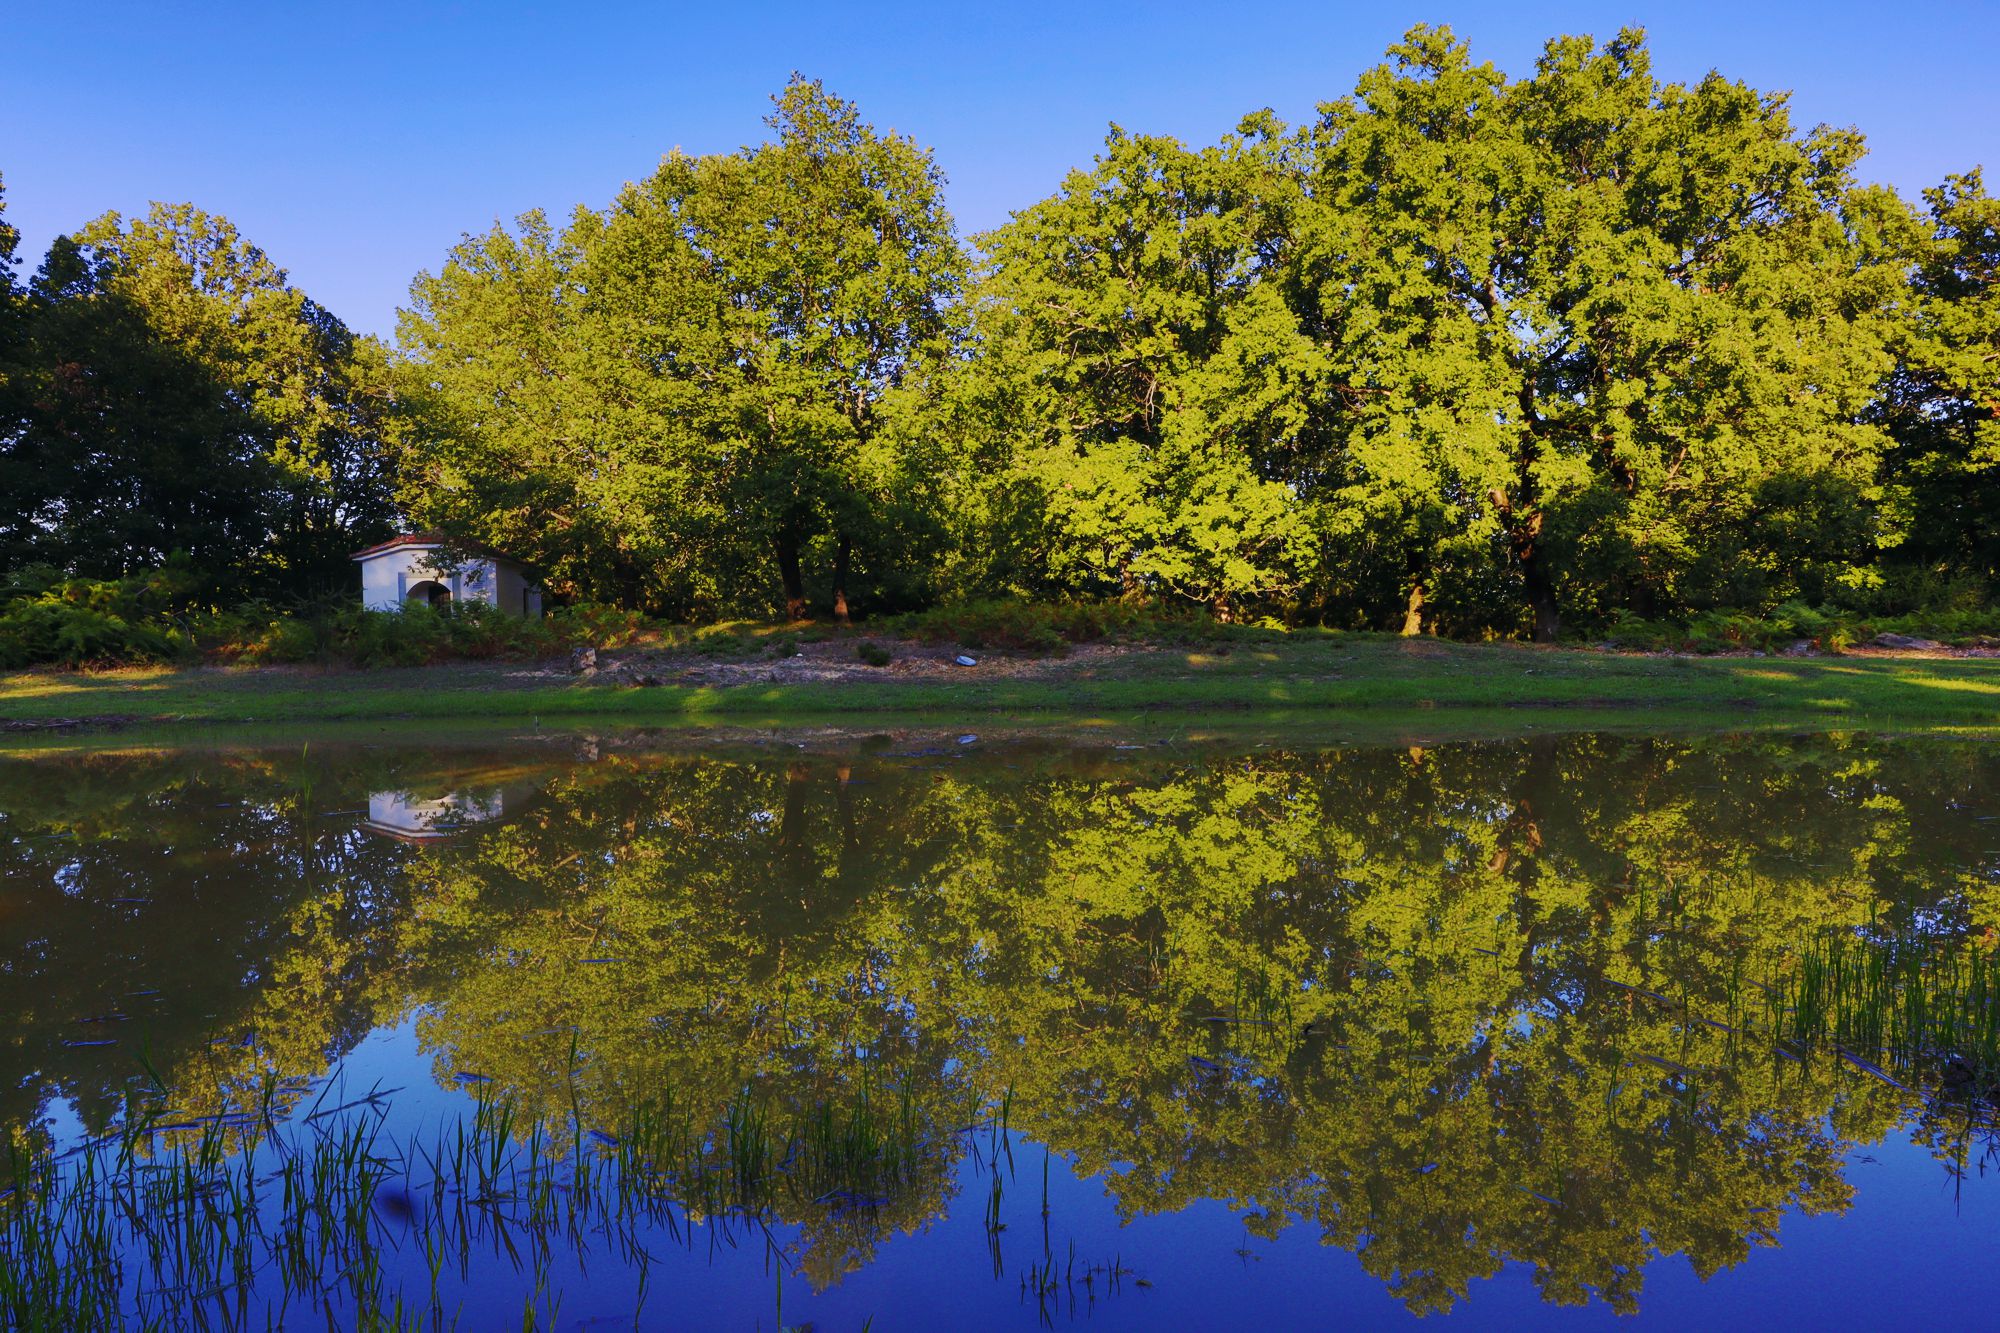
(299, 1216)
(1927, 1010)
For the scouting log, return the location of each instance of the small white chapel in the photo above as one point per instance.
(406, 570)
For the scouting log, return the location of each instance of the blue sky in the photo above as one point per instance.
(355, 142)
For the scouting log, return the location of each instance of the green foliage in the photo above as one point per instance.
(1581, 338)
(1793, 625)
(1943, 403)
(50, 620)
(874, 654)
(597, 625)
(413, 636)
(1052, 626)
(678, 402)
(169, 391)
(1466, 354)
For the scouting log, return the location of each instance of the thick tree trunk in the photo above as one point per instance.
(787, 545)
(1541, 590)
(1523, 513)
(1413, 614)
(841, 553)
(793, 835)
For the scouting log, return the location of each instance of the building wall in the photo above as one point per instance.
(387, 578)
(513, 592)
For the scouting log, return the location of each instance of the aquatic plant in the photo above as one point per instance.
(227, 1215)
(1930, 1010)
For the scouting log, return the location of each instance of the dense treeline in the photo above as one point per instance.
(1463, 354)
(165, 391)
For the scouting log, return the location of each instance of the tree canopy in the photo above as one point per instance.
(695, 389)
(1583, 338)
(1464, 353)
(175, 395)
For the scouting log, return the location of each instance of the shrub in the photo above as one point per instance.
(1050, 627)
(414, 636)
(597, 626)
(45, 632)
(53, 621)
(874, 654)
(1829, 629)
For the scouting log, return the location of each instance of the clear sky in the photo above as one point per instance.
(356, 141)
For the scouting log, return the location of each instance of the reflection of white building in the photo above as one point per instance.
(398, 814)
(404, 569)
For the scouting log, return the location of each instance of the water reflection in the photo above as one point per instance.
(414, 818)
(1450, 1009)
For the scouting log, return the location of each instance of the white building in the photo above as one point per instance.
(404, 569)
(412, 818)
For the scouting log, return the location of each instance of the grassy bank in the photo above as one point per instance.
(1320, 675)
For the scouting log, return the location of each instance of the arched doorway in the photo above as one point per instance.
(428, 593)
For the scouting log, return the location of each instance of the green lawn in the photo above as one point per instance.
(1329, 677)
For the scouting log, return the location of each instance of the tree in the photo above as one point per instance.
(16, 487)
(186, 398)
(1150, 381)
(1609, 340)
(1660, 293)
(1942, 405)
(711, 365)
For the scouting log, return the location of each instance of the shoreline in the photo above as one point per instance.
(1378, 681)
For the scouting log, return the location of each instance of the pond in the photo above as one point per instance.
(917, 1031)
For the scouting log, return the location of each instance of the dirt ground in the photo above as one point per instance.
(835, 660)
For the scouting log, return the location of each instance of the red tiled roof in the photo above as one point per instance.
(427, 539)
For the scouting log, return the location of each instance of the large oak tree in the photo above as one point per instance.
(677, 399)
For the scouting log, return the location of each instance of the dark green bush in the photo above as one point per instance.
(1825, 629)
(597, 625)
(874, 654)
(53, 621)
(414, 636)
(1050, 627)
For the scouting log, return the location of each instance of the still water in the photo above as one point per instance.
(921, 1032)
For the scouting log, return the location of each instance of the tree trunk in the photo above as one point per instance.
(793, 835)
(1541, 590)
(787, 545)
(841, 553)
(1413, 614)
(1523, 514)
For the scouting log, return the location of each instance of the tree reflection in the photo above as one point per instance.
(1452, 1007)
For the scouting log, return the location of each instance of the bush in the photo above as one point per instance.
(53, 621)
(414, 636)
(48, 619)
(1050, 627)
(1827, 629)
(874, 654)
(598, 626)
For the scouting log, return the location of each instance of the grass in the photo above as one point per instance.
(301, 1209)
(311, 1208)
(1931, 1012)
(1332, 676)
